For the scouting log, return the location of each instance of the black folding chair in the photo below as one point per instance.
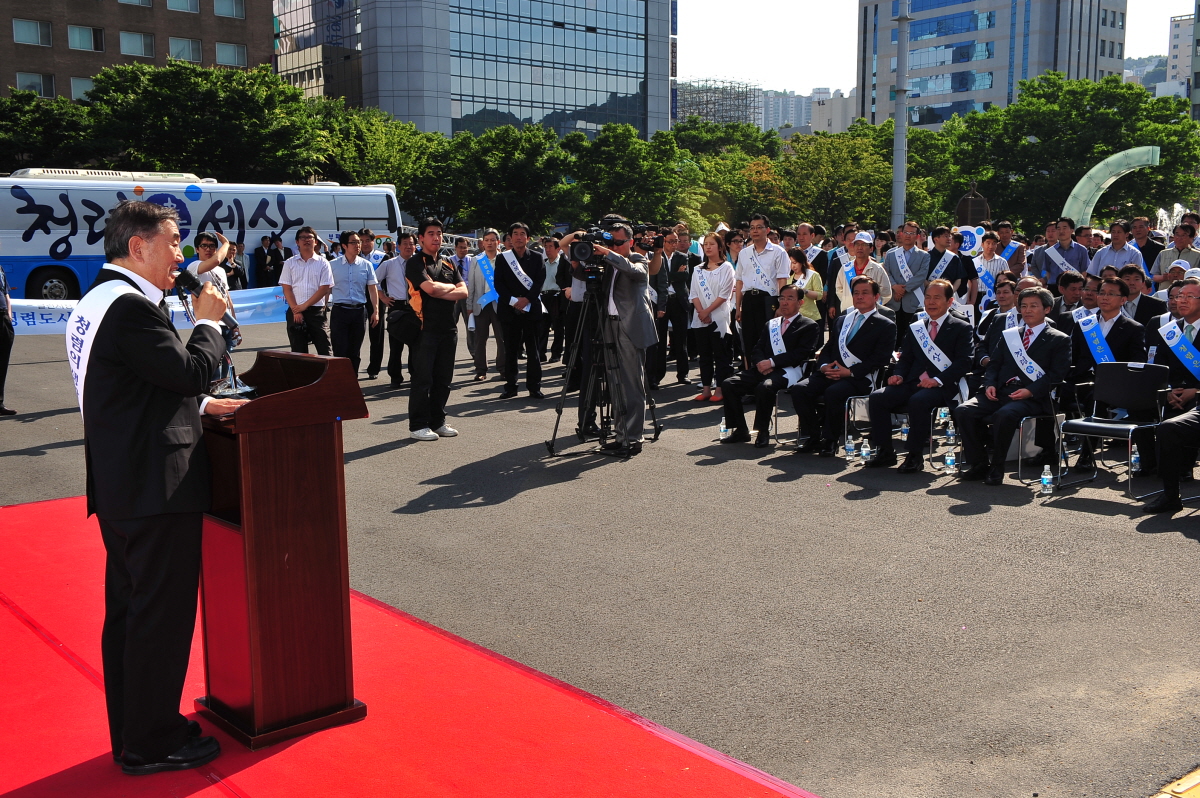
(1133, 387)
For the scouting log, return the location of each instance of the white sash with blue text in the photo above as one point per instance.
(1181, 347)
(775, 330)
(1028, 366)
(848, 357)
(82, 326)
(902, 263)
(943, 264)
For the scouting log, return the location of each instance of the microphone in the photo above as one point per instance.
(191, 283)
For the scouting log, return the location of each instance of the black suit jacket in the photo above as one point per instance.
(1147, 308)
(1126, 339)
(955, 338)
(143, 443)
(872, 344)
(986, 337)
(508, 286)
(1051, 350)
(799, 343)
(1180, 376)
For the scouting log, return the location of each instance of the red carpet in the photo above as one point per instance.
(445, 717)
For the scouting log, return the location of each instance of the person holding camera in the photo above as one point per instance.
(650, 244)
(628, 328)
(520, 275)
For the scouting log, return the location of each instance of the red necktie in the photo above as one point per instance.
(783, 327)
(1028, 335)
(933, 328)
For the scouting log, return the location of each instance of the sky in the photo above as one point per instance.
(812, 55)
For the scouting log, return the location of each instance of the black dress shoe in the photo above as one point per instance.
(1084, 465)
(654, 386)
(536, 394)
(1040, 461)
(682, 381)
(586, 433)
(912, 464)
(1163, 503)
(398, 383)
(762, 440)
(193, 730)
(7, 411)
(371, 376)
(195, 752)
(828, 448)
(508, 394)
(813, 444)
(882, 459)
(994, 478)
(480, 377)
(737, 436)
(975, 473)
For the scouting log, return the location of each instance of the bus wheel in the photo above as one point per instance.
(51, 282)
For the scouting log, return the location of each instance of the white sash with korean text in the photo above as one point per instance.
(943, 264)
(775, 330)
(847, 262)
(1053, 254)
(765, 281)
(906, 273)
(1028, 366)
(83, 324)
(520, 274)
(1181, 347)
(812, 252)
(937, 358)
(848, 357)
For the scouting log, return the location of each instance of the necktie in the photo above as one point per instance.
(933, 328)
(1028, 335)
(162, 305)
(1190, 332)
(783, 327)
(854, 329)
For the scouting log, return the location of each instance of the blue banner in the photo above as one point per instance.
(1089, 325)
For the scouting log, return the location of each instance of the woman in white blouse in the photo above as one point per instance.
(712, 296)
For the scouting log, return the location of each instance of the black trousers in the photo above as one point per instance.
(404, 329)
(919, 404)
(376, 336)
(976, 415)
(656, 355)
(432, 375)
(679, 313)
(763, 386)
(757, 308)
(347, 328)
(1178, 441)
(151, 577)
(315, 330)
(808, 393)
(7, 334)
(714, 355)
(903, 331)
(554, 320)
(462, 311)
(521, 333)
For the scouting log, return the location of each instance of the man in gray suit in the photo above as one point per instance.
(907, 267)
(628, 326)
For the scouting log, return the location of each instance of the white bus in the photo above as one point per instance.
(52, 220)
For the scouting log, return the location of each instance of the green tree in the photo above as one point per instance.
(515, 175)
(700, 137)
(38, 132)
(1029, 156)
(621, 173)
(934, 184)
(834, 179)
(368, 146)
(439, 183)
(231, 124)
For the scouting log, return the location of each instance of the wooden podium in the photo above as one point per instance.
(275, 585)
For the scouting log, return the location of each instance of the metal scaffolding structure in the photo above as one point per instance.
(720, 101)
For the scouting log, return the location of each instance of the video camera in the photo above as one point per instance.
(583, 251)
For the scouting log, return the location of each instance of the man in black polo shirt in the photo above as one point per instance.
(435, 288)
(520, 273)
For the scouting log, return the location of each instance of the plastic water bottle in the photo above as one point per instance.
(1047, 482)
(951, 435)
(1135, 459)
(722, 430)
(849, 448)
(943, 414)
(904, 430)
(864, 451)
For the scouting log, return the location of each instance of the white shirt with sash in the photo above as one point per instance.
(707, 285)
(761, 270)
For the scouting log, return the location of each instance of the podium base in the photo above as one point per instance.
(254, 742)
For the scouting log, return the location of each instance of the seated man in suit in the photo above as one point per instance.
(785, 342)
(860, 343)
(1108, 336)
(1028, 363)
(1141, 307)
(1070, 287)
(936, 355)
(1185, 375)
(994, 322)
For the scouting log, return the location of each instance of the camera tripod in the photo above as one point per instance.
(600, 388)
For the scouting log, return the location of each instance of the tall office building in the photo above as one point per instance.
(780, 108)
(968, 55)
(1180, 47)
(451, 65)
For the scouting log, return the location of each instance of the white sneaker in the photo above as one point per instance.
(425, 434)
(446, 431)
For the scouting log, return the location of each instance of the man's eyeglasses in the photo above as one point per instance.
(306, 238)
(737, 241)
(206, 246)
(617, 242)
(1110, 293)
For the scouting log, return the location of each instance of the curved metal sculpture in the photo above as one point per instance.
(1087, 191)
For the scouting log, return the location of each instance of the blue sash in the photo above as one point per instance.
(489, 274)
(1181, 347)
(1010, 249)
(1089, 325)
(847, 268)
(989, 282)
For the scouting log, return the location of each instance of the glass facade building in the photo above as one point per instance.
(1004, 41)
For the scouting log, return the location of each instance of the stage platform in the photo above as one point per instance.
(445, 717)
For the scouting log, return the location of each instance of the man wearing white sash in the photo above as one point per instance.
(945, 264)
(139, 390)
(1031, 360)
(994, 322)
(1107, 336)
(859, 264)
(932, 363)
(861, 342)
(1010, 249)
(907, 268)
(784, 344)
(762, 269)
(1061, 256)
(520, 274)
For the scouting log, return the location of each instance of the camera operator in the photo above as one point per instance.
(628, 329)
(649, 244)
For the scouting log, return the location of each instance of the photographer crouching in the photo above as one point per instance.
(626, 322)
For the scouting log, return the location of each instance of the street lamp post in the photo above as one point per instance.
(900, 142)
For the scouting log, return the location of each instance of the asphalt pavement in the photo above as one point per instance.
(855, 633)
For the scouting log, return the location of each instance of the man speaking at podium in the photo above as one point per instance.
(140, 391)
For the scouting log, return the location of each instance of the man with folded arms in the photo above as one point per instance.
(784, 343)
(860, 343)
(933, 361)
(1028, 363)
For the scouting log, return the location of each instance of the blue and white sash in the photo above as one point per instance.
(847, 262)
(943, 264)
(1010, 249)
(1028, 366)
(937, 358)
(1080, 312)
(1053, 254)
(82, 326)
(766, 282)
(775, 330)
(1181, 347)
(489, 274)
(989, 282)
(812, 252)
(702, 284)
(906, 273)
(848, 357)
(1089, 325)
(520, 274)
